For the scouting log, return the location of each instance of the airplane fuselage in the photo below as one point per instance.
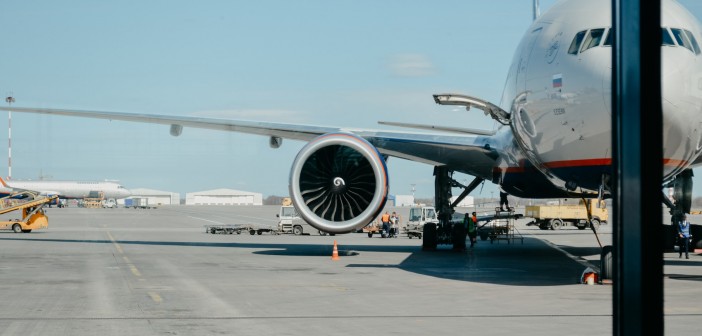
(558, 93)
(72, 189)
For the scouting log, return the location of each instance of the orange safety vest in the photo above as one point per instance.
(385, 218)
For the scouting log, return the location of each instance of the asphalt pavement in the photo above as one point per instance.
(157, 272)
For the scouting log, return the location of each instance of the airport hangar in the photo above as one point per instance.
(207, 197)
(223, 197)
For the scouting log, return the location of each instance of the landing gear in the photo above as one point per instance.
(606, 263)
(444, 232)
(682, 194)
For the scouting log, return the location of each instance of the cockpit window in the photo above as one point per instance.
(587, 39)
(593, 39)
(692, 39)
(667, 39)
(609, 38)
(575, 45)
(682, 39)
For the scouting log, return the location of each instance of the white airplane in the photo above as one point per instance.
(67, 189)
(555, 138)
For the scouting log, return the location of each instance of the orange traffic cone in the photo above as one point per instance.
(335, 254)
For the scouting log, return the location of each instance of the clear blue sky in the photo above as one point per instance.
(337, 63)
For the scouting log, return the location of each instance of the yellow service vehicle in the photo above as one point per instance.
(556, 216)
(31, 205)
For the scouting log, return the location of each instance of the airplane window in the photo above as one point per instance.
(667, 39)
(593, 39)
(692, 39)
(681, 38)
(575, 45)
(609, 38)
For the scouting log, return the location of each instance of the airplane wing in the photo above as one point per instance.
(463, 152)
(339, 179)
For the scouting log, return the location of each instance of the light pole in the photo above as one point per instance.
(9, 101)
(412, 185)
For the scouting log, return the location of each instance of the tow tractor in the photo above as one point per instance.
(419, 216)
(31, 205)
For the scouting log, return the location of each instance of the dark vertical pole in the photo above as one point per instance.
(637, 151)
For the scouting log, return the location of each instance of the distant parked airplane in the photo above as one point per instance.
(67, 189)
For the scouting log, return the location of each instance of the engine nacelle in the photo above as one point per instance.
(339, 182)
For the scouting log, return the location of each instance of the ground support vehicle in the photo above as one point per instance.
(501, 227)
(239, 228)
(31, 206)
(555, 217)
(418, 216)
(375, 227)
(93, 201)
(109, 203)
(137, 203)
(290, 222)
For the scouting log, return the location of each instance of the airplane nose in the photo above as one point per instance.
(682, 109)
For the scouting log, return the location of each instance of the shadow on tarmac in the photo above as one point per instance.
(531, 263)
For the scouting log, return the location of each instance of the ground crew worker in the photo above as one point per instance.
(684, 236)
(472, 228)
(395, 228)
(504, 201)
(385, 219)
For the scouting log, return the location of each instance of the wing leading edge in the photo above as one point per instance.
(465, 153)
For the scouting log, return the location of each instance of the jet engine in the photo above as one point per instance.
(339, 182)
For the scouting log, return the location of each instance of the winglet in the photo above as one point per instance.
(3, 183)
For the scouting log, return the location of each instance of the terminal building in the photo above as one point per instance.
(223, 197)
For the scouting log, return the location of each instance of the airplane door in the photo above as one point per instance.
(522, 125)
(524, 60)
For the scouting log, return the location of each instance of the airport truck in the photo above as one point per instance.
(289, 221)
(418, 216)
(555, 217)
(109, 203)
(137, 203)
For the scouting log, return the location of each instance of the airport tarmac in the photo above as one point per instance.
(156, 272)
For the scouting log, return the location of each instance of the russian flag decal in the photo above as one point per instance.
(558, 81)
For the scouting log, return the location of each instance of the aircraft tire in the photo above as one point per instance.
(429, 240)
(606, 263)
(483, 235)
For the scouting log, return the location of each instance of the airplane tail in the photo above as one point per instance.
(3, 183)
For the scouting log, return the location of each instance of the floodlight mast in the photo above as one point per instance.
(9, 101)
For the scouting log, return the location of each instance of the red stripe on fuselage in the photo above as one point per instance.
(584, 163)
